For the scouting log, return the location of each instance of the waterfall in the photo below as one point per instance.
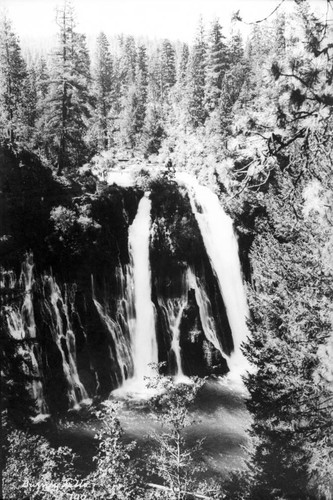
(173, 309)
(22, 327)
(64, 338)
(222, 248)
(205, 310)
(142, 323)
(116, 327)
(26, 279)
(144, 341)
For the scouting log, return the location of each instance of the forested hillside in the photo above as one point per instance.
(250, 118)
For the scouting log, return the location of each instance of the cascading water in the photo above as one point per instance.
(173, 309)
(26, 279)
(188, 314)
(21, 327)
(221, 245)
(205, 310)
(119, 337)
(144, 344)
(64, 338)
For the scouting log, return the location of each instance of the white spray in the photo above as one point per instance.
(222, 248)
(21, 326)
(144, 344)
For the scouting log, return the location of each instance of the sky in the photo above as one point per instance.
(174, 19)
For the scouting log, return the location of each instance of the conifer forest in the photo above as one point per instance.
(166, 260)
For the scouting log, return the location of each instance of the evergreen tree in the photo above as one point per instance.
(30, 108)
(13, 76)
(168, 67)
(233, 81)
(127, 118)
(128, 61)
(280, 35)
(216, 66)
(196, 78)
(290, 400)
(66, 111)
(103, 91)
(153, 131)
(235, 48)
(42, 78)
(131, 119)
(183, 66)
(153, 128)
(141, 79)
(291, 301)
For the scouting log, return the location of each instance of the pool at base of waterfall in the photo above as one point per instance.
(220, 419)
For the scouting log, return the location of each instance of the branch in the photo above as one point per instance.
(238, 18)
(166, 488)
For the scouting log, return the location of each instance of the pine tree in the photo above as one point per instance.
(153, 128)
(153, 131)
(128, 61)
(196, 78)
(103, 92)
(291, 301)
(42, 78)
(216, 66)
(290, 402)
(30, 104)
(280, 35)
(168, 67)
(12, 81)
(66, 111)
(233, 81)
(183, 66)
(132, 116)
(141, 79)
(127, 118)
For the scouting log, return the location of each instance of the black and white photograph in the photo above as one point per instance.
(166, 249)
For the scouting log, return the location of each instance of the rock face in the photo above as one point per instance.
(67, 305)
(181, 270)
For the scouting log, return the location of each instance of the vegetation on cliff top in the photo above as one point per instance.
(253, 121)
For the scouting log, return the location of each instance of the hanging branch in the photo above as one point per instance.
(237, 17)
(166, 488)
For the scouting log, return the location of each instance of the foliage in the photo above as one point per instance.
(103, 90)
(256, 121)
(13, 76)
(67, 104)
(73, 226)
(115, 477)
(33, 468)
(172, 461)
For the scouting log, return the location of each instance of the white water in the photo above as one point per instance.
(122, 348)
(7, 279)
(144, 344)
(21, 326)
(176, 310)
(76, 390)
(222, 248)
(173, 309)
(205, 311)
(26, 279)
